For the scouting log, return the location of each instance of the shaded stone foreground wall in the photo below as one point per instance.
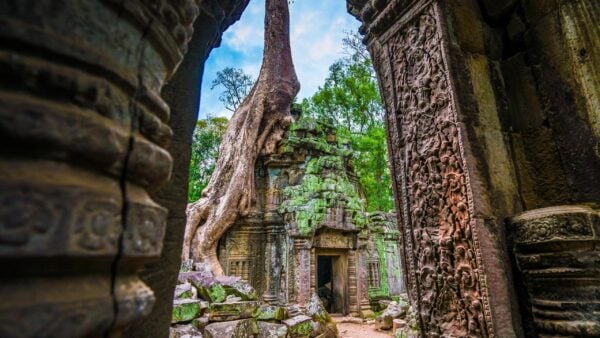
(86, 140)
(493, 110)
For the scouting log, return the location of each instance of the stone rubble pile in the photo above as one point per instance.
(398, 316)
(228, 307)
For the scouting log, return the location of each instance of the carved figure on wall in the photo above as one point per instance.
(448, 281)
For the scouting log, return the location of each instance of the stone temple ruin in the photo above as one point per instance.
(492, 129)
(311, 233)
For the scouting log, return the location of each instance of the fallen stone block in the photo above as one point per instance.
(184, 331)
(272, 330)
(200, 322)
(185, 310)
(237, 287)
(270, 312)
(186, 265)
(299, 326)
(219, 312)
(185, 290)
(245, 328)
(398, 324)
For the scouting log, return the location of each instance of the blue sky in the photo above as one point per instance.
(316, 31)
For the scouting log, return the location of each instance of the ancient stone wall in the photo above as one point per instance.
(491, 111)
(85, 134)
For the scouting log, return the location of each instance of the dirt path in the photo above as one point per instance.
(364, 330)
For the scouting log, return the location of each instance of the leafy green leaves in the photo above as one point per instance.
(205, 150)
(350, 98)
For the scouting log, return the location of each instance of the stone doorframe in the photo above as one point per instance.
(341, 283)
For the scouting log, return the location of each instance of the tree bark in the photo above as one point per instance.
(255, 127)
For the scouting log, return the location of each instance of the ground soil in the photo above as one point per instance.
(354, 330)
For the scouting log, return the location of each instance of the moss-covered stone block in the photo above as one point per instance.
(238, 287)
(299, 326)
(245, 328)
(272, 330)
(200, 322)
(232, 311)
(270, 312)
(184, 310)
(214, 293)
(183, 291)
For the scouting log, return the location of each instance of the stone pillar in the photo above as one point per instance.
(358, 260)
(557, 255)
(273, 258)
(443, 133)
(394, 272)
(83, 129)
(353, 294)
(182, 93)
(301, 267)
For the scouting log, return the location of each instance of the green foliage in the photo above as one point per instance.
(205, 150)
(326, 184)
(236, 86)
(350, 99)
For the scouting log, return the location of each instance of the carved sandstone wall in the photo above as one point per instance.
(85, 134)
(491, 111)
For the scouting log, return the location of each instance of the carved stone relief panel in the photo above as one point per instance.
(442, 253)
(556, 251)
(334, 240)
(84, 131)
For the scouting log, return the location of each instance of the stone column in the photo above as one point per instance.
(273, 258)
(83, 129)
(358, 260)
(394, 272)
(302, 275)
(557, 255)
(443, 133)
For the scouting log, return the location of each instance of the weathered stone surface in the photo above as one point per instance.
(299, 326)
(208, 288)
(187, 265)
(232, 311)
(323, 324)
(556, 250)
(270, 312)
(200, 322)
(185, 291)
(245, 328)
(313, 200)
(236, 286)
(184, 310)
(271, 330)
(184, 331)
(398, 324)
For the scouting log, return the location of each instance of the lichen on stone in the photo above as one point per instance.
(326, 183)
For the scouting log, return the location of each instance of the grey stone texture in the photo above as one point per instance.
(492, 115)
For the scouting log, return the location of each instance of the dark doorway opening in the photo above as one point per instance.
(331, 282)
(325, 282)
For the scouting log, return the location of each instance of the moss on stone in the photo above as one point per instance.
(185, 310)
(217, 293)
(326, 184)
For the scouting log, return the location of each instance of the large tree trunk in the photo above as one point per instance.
(255, 127)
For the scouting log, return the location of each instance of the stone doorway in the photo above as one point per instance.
(332, 286)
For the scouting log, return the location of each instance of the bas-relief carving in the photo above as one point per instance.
(446, 268)
(334, 240)
(92, 118)
(557, 256)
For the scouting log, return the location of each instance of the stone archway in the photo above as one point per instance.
(491, 111)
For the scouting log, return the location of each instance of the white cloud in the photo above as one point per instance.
(316, 32)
